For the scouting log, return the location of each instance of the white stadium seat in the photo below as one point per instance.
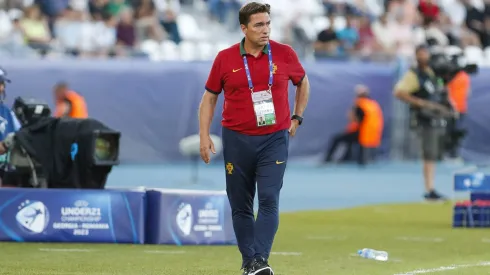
(340, 23)
(206, 51)
(189, 28)
(320, 23)
(151, 48)
(474, 55)
(169, 50)
(188, 51)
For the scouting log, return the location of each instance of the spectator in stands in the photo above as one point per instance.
(474, 18)
(404, 11)
(339, 8)
(485, 37)
(369, 8)
(327, 43)
(97, 8)
(52, 10)
(404, 38)
(220, 9)
(147, 24)
(12, 42)
(429, 9)
(348, 36)
(115, 7)
(456, 12)
(126, 34)
(36, 30)
(104, 35)
(367, 45)
(68, 31)
(167, 11)
(383, 30)
(452, 32)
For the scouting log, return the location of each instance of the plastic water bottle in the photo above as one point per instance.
(373, 254)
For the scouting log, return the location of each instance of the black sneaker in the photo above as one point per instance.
(261, 267)
(249, 268)
(433, 196)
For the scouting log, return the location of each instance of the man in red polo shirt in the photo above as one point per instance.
(257, 124)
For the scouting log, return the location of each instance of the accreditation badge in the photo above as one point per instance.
(264, 108)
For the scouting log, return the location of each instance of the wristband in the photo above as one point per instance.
(298, 118)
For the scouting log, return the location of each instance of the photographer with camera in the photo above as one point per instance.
(430, 108)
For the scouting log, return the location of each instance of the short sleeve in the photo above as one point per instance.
(214, 84)
(408, 83)
(296, 71)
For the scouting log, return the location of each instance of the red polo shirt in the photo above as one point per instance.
(228, 74)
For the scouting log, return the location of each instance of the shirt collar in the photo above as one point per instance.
(243, 52)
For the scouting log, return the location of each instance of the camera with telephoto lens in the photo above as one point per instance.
(446, 66)
(52, 152)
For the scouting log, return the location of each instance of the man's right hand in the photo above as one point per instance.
(206, 145)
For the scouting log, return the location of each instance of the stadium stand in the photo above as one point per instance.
(197, 29)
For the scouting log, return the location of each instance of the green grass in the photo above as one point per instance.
(326, 239)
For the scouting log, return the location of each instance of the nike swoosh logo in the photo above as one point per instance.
(280, 162)
(236, 70)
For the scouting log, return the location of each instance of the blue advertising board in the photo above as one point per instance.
(184, 217)
(63, 215)
(477, 181)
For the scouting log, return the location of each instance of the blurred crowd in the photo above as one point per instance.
(375, 29)
(400, 25)
(93, 28)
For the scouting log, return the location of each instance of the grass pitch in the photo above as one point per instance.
(418, 238)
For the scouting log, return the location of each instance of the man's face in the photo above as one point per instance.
(423, 57)
(258, 29)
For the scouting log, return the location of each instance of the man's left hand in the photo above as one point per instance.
(293, 127)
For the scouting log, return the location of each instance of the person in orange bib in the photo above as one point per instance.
(365, 128)
(459, 90)
(69, 103)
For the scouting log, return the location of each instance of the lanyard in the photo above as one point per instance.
(247, 70)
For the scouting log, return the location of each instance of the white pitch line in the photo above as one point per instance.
(287, 253)
(444, 268)
(65, 250)
(420, 239)
(165, 251)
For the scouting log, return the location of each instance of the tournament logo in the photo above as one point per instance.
(474, 181)
(33, 216)
(184, 218)
(229, 168)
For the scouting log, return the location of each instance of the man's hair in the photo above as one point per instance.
(61, 85)
(251, 9)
